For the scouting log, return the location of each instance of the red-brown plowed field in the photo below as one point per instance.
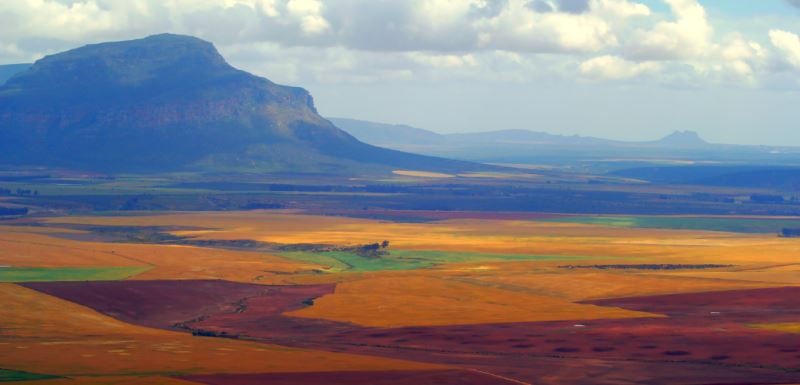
(706, 329)
(751, 306)
(443, 377)
(706, 340)
(163, 304)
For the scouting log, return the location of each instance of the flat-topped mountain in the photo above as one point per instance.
(170, 102)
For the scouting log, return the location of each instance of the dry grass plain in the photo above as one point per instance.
(40, 250)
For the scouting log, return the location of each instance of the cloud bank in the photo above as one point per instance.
(385, 40)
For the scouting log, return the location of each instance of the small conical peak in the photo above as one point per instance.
(683, 139)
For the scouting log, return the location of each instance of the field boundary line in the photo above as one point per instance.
(500, 377)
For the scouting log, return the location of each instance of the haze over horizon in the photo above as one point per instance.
(618, 69)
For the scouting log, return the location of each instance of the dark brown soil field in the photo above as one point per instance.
(705, 339)
(778, 304)
(444, 377)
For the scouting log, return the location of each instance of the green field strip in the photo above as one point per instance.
(38, 274)
(13, 376)
(733, 225)
(338, 261)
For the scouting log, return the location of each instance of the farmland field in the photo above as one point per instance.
(26, 274)
(287, 297)
(409, 259)
(735, 225)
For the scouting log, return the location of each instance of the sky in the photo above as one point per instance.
(621, 69)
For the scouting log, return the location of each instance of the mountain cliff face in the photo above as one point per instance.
(170, 102)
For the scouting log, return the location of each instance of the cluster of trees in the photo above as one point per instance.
(372, 250)
(790, 233)
(766, 198)
(19, 191)
(211, 333)
(22, 192)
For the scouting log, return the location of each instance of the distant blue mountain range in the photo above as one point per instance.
(524, 146)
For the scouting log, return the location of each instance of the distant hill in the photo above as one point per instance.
(399, 135)
(396, 135)
(172, 102)
(525, 146)
(9, 70)
(684, 139)
(387, 134)
(522, 137)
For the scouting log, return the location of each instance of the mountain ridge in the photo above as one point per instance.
(580, 152)
(387, 134)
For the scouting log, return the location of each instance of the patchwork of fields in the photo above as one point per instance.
(288, 298)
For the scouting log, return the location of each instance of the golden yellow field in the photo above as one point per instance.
(780, 327)
(422, 174)
(20, 249)
(628, 245)
(425, 301)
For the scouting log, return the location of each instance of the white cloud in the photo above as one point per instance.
(518, 27)
(400, 25)
(617, 10)
(72, 20)
(787, 45)
(444, 61)
(688, 36)
(309, 12)
(609, 67)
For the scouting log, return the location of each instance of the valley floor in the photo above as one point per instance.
(287, 297)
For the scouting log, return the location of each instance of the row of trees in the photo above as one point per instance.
(19, 192)
(790, 233)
